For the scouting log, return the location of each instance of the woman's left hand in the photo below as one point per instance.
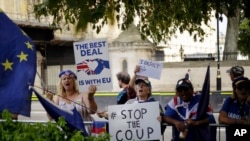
(92, 90)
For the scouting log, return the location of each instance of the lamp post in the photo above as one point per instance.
(181, 53)
(218, 78)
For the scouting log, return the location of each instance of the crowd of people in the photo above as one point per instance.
(180, 112)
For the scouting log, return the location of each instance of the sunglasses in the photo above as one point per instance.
(180, 89)
(241, 87)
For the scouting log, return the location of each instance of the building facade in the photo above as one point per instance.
(55, 50)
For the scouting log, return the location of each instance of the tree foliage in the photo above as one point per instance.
(244, 36)
(158, 19)
(11, 130)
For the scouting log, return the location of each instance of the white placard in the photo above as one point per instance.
(151, 69)
(134, 121)
(92, 64)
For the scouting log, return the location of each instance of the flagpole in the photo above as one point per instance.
(218, 79)
(43, 83)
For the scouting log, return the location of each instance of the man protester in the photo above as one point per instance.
(128, 92)
(235, 72)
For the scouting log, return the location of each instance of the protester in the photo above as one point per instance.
(128, 92)
(69, 97)
(235, 72)
(235, 109)
(181, 112)
(144, 94)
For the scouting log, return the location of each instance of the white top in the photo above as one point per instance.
(80, 107)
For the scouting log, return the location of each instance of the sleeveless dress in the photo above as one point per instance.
(81, 108)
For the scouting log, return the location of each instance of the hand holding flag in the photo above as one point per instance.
(73, 118)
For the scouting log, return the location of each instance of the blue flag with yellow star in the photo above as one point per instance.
(17, 67)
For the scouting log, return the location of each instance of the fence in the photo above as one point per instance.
(220, 136)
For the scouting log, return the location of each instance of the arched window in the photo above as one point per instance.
(125, 65)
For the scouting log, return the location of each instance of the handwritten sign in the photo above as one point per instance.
(134, 121)
(151, 69)
(92, 64)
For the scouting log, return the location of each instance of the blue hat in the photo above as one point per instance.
(67, 72)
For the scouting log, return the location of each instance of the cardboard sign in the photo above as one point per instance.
(134, 121)
(151, 69)
(92, 64)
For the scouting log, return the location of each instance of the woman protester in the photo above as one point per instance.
(69, 97)
(143, 89)
(235, 109)
(144, 94)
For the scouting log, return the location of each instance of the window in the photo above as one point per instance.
(125, 65)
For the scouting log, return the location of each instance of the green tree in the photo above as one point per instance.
(159, 19)
(244, 36)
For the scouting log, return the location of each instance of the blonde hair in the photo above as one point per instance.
(61, 90)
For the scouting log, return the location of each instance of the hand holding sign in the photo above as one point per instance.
(92, 63)
(136, 121)
(150, 69)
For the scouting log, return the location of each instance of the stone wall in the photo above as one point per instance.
(170, 74)
(174, 71)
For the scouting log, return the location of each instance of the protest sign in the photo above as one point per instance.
(92, 64)
(134, 121)
(151, 69)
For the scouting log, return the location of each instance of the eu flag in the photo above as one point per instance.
(73, 118)
(17, 67)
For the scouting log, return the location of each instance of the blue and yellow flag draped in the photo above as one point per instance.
(17, 67)
(73, 118)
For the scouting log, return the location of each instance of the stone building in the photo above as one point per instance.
(55, 50)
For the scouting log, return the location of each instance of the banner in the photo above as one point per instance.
(134, 121)
(151, 69)
(92, 64)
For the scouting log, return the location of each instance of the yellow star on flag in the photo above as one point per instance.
(22, 57)
(29, 45)
(7, 65)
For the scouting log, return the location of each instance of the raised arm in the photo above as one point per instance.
(89, 100)
(132, 81)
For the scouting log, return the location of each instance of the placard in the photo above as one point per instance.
(151, 69)
(134, 121)
(92, 64)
